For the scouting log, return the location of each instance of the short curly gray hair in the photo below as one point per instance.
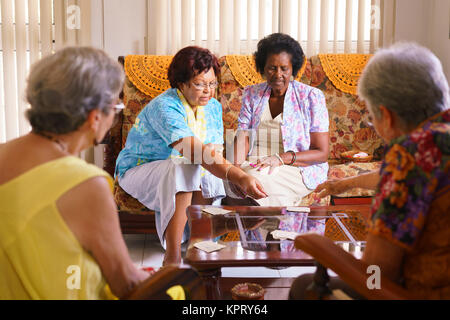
(64, 87)
(407, 79)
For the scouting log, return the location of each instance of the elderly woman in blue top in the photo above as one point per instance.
(172, 157)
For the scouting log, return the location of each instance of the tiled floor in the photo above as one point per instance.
(145, 250)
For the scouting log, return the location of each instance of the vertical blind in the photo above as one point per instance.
(31, 29)
(235, 26)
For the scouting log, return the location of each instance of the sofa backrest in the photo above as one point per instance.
(336, 75)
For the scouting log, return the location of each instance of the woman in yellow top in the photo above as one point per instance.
(59, 233)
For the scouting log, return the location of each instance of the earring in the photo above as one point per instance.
(292, 78)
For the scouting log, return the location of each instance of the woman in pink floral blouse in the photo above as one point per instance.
(282, 137)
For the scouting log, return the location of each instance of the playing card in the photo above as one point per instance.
(209, 246)
(215, 211)
(283, 235)
(298, 209)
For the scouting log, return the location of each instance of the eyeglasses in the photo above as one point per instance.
(369, 122)
(117, 108)
(203, 86)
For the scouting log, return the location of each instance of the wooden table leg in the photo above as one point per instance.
(210, 279)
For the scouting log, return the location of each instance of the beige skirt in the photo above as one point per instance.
(284, 185)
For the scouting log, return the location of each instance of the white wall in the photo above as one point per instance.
(120, 27)
(426, 22)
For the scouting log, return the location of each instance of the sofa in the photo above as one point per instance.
(335, 74)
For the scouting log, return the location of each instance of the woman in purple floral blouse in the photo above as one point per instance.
(282, 137)
(409, 234)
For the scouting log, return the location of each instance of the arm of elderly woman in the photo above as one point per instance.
(384, 254)
(213, 161)
(337, 186)
(318, 151)
(95, 224)
(241, 147)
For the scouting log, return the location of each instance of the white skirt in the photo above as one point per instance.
(156, 183)
(284, 185)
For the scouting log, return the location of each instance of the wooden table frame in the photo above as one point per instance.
(204, 226)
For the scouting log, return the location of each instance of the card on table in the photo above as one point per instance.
(209, 246)
(216, 211)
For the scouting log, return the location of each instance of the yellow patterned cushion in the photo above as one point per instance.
(148, 73)
(243, 68)
(344, 70)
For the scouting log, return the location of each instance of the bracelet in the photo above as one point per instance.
(226, 172)
(294, 157)
(279, 158)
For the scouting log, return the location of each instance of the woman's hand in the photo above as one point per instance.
(333, 187)
(272, 162)
(251, 187)
(367, 180)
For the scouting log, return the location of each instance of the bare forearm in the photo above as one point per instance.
(209, 158)
(384, 254)
(240, 148)
(317, 153)
(129, 280)
(366, 180)
(305, 158)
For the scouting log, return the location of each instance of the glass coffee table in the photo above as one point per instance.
(250, 237)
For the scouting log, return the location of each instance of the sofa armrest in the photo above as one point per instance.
(112, 145)
(349, 269)
(113, 138)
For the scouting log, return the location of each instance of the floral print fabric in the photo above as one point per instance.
(348, 116)
(415, 170)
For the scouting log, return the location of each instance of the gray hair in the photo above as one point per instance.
(65, 87)
(408, 80)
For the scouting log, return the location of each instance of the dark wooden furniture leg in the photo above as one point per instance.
(210, 279)
(318, 289)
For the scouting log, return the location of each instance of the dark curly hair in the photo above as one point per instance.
(275, 44)
(189, 62)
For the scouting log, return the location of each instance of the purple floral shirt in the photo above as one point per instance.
(304, 111)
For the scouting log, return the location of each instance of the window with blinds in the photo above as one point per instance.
(235, 26)
(31, 29)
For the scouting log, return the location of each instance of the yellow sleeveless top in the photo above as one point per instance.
(40, 258)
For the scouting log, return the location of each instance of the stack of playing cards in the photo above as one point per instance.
(298, 209)
(216, 211)
(209, 246)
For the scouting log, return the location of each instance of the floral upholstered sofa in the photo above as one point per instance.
(335, 74)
